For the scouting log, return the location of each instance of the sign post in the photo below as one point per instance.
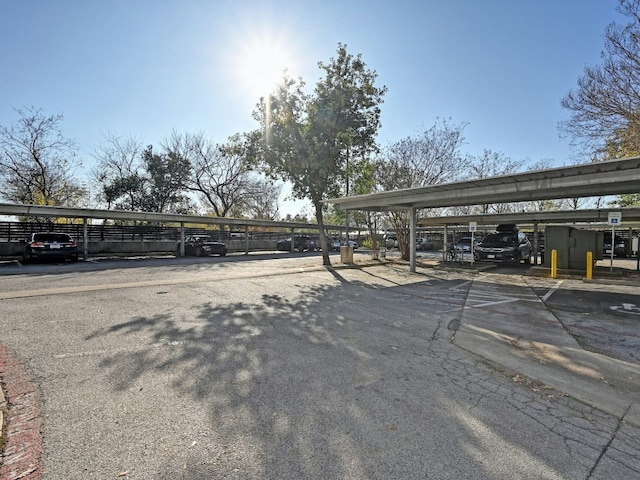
(614, 218)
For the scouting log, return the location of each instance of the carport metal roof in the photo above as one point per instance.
(92, 213)
(612, 177)
(597, 216)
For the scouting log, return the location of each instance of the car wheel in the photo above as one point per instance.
(223, 254)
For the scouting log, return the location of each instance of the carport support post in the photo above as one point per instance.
(182, 239)
(293, 239)
(444, 239)
(246, 239)
(85, 241)
(536, 243)
(412, 241)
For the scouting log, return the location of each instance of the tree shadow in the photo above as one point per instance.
(325, 381)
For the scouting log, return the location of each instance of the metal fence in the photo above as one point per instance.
(18, 231)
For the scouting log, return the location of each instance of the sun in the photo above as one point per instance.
(260, 61)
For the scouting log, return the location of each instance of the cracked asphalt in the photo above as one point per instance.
(277, 368)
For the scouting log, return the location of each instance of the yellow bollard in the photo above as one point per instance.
(554, 264)
(589, 265)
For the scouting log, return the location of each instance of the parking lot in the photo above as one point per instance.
(272, 366)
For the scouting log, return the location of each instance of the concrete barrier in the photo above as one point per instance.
(12, 249)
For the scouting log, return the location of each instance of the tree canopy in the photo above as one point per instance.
(309, 140)
(37, 162)
(605, 108)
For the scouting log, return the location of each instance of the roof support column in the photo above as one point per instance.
(85, 239)
(412, 240)
(445, 233)
(536, 243)
(181, 252)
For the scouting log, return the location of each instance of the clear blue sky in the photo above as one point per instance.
(147, 67)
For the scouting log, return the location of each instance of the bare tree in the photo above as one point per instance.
(542, 205)
(37, 163)
(131, 177)
(263, 200)
(222, 176)
(118, 172)
(605, 108)
(427, 159)
(492, 164)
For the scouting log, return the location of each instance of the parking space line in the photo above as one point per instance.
(552, 291)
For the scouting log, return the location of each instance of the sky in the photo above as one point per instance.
(146, 68)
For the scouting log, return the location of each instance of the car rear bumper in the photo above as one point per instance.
(60, 253)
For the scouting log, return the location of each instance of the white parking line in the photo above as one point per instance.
(552, 291)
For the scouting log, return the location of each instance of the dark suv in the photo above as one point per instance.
(507, 244)
(619, 246)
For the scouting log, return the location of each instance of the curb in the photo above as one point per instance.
(22, 447)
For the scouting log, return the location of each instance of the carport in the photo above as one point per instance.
(614, 177)
(85, 214)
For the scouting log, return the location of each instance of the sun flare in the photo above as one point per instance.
(260, 62)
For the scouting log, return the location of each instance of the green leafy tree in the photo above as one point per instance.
(37, 163)
(309, 140)
(628, 200)
(167, 176)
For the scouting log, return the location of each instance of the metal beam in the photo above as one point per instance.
(613, 177)
(70, 212)
(596, 215)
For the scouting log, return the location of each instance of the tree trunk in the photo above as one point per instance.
(323, 238)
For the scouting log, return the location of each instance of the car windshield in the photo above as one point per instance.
(52, 237)
(499, 239)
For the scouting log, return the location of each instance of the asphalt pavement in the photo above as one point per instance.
(533, 331)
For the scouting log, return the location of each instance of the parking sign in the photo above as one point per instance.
(615, 218)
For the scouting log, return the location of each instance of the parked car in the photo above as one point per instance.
(351, 243)
(619, 246)
(464, 244)
(391, 241)
(202, 245)
(334, 244)
(50, 245)
(507, 244)
(313, 244)
(424, 244)
(300, 244)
